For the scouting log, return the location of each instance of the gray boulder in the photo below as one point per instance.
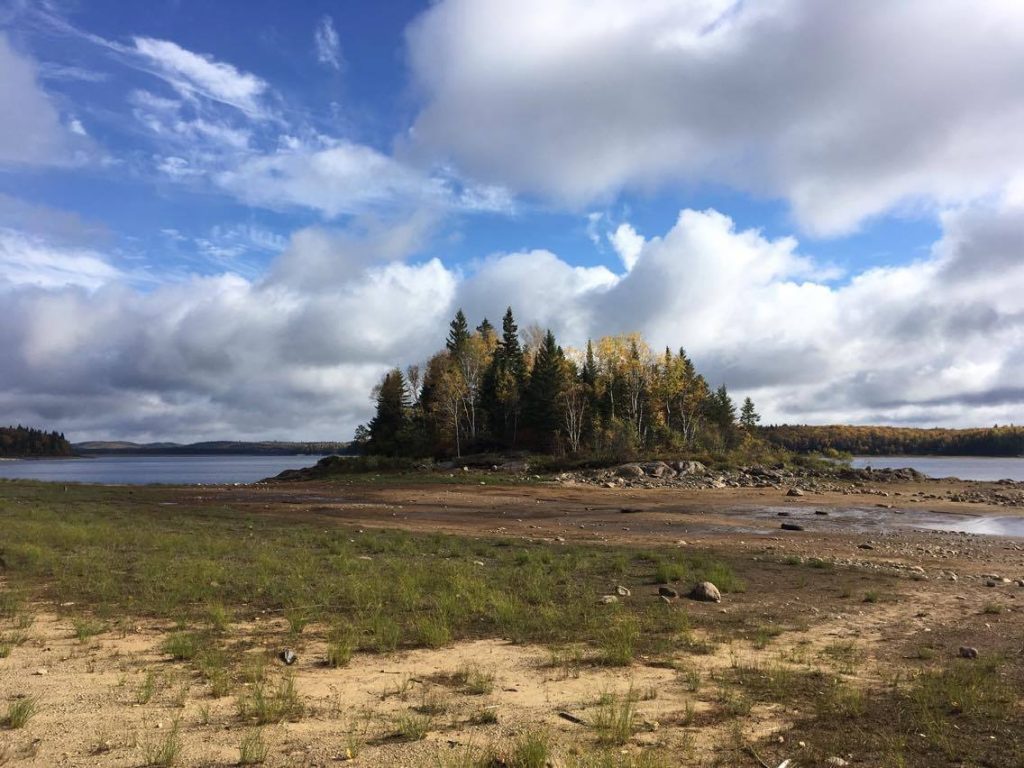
(630, 471)
(706, 592)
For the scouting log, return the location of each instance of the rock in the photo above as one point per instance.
(630, 471)
(608, 599)
(665, 599)
(667, 592)
(836, 762)
(689, 467)
(795, 492)
(657, 469)
(791, 527)
(823, 513)
(630, 510)
(41, 672)
(782, 514)
(967, 652)
(706, 592)
(288, 656)
(622, 591)
(864, 546)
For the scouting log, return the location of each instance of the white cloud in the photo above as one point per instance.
(30, 130)
(627, 243)
(328, 46)
(192, 74)
(295, 353)
(847, 110)
(32, 261)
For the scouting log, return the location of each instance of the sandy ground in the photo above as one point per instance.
(89, 692)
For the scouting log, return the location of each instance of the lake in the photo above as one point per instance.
(963, 467)
(139, 470)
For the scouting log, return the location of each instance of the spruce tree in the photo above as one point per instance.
(389, 426)
(458, 333)
(749, 418)
(540, 406)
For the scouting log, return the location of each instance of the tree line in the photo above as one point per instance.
(23, 441)
(497, 390)
(880, 441)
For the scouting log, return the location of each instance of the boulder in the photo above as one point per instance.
(657, 469)
(791, 527)
(706, 592)
(689, 467)
(629, 471)
(795, 492)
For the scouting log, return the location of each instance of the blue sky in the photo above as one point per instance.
(744, 179)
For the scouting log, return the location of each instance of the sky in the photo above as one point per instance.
(228, 220)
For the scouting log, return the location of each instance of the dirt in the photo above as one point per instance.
(931, 587)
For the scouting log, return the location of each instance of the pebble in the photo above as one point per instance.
(967, 652)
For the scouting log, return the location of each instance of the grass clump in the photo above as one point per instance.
(182, 646)
(615, 719)
(619, 642)
(165, 752)
(253, 750)
(262, 704)
(412, 727)
(20, 711)
(87, 628)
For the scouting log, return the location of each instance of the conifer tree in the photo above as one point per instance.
(540, 406)
(387, 430)
(749, 418)
(458, 333)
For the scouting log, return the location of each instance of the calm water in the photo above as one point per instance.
(963, 467)
(138, 470)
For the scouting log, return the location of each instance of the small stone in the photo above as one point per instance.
(836, 762)
(864, 546)
(288, 656)
(42, 671)
(795, 492)
(791, 527)
(967, 652)
(608, 599)
(706, 592)
(665, 599)
(622, 591)
(667, 592)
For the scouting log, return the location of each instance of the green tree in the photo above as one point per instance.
(388, 430)
(749, 418)
(541, 411)
(458, 333)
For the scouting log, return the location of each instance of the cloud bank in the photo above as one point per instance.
(846, 110)
(294, 354)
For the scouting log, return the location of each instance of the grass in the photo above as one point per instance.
(615, 719)
(412, 727)
(20, 711)
(253, 750)
(182, 646)
(210, 565)
(166, 751)
(263, 705)
(146, 690)
(86, 628)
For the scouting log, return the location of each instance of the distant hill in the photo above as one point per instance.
(210, 448)
(906, 441)
(25, 442)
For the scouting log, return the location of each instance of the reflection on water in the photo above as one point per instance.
(990, 526)
(136, 470)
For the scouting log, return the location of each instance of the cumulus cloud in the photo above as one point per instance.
(328, 46)
(295, 353)
(846, 110)
(30, 131)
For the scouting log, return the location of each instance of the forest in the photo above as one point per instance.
(882, 441)
(490, 390)
(16, 442)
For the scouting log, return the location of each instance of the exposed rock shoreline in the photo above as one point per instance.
(794, 482)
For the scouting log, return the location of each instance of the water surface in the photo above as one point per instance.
(139, 470)
(963, 467)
